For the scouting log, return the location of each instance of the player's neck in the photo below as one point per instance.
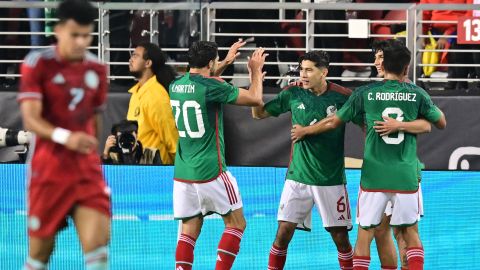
(320, 89)
(394, 77)
(145, 77)
(202, 71)
(65, 57)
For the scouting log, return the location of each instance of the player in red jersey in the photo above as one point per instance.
(62, 92)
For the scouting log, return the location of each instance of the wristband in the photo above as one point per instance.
(60, 135)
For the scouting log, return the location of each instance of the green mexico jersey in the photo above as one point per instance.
(197, 105)
(390, 162)
(315, 160)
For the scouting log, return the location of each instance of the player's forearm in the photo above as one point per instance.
(325, 125)
(259, 112)
(221, 68)
(39, 126)
(418, 126)
(256, 87)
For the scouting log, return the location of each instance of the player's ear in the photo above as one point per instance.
(325, 72)
(405, 71)
(211, 64)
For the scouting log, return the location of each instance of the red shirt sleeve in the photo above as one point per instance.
(101, 97)
(31, 81)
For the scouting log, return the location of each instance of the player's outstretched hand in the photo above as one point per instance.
(386, 127)
(297, 133)
(81, 142)
(257, 60)
(233, 52)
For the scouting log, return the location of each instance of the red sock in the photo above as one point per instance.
(184, 253)
(361, 262)
(415, 258)
(228, 248)
(345, 259)
(277, 258)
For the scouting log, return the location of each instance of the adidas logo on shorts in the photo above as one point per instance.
(341, 217)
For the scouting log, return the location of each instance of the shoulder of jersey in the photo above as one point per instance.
(340, 89)
(214, 79)
(33, 57)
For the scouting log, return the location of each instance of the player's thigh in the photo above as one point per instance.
(235, 219)
(93, 227)
(192, 226)
(220, 196)
(296, 203)
(92, 213)
(333, 205)
(186, 203)
(371, 207)
(406, 209)
(49, 204)
(40, 248)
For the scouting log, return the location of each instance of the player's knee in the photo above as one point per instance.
(40, 255)
(94, 242)
(340, 237)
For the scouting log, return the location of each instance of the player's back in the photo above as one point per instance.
(197, 105)
(390, 162)
(71, 94)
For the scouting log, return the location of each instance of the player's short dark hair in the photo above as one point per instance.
(395, 58)
(320, 58)
(81, 11)
(164, 73)
(201, 53)
(380, 45)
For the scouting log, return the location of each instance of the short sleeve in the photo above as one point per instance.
(353, 108)
(31, 81)
(221, 91)
(280, 104)
(99, 102)
(428, 109)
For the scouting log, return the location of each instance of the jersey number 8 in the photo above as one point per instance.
(401, 136)
(188, 104)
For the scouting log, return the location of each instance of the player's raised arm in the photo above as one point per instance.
(231, 57)
(254, 96)
(298, 132)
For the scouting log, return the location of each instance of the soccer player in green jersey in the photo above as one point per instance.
(203, 185)
(385, 245)
(316, 173)
(390, 167)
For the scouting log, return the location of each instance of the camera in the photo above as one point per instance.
(123, 132)
(12, 137)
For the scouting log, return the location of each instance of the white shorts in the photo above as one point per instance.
(371, 207)
(219, 196)
(389, 209)
(298, 199)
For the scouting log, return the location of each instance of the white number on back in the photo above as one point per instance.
(189, 104)
(401, 136)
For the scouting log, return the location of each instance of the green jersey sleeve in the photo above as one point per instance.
(280, 104)
(221, 91)
(352, 109)
(427, 109)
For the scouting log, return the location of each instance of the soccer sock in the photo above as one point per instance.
(33, 264)
(388, 267)
(361, 262)
(228, 248)
(403, 268)
(277, 258)
(415, 257)
(345, 259)
(97, 259)
(184, 253)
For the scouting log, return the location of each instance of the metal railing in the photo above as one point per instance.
(211, 26)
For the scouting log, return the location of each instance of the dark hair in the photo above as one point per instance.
(201, 53)
(81, 11)
(320, 58)
(380, 45)
(124, 126)
(164, 73)
(395, 58)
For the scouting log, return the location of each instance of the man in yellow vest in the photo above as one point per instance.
(150, 103)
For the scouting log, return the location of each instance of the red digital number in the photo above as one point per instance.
(468, 30)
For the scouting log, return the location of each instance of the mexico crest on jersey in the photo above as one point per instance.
(331, 110)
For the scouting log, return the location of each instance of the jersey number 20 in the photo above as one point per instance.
(188, 104)
(401, 136)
